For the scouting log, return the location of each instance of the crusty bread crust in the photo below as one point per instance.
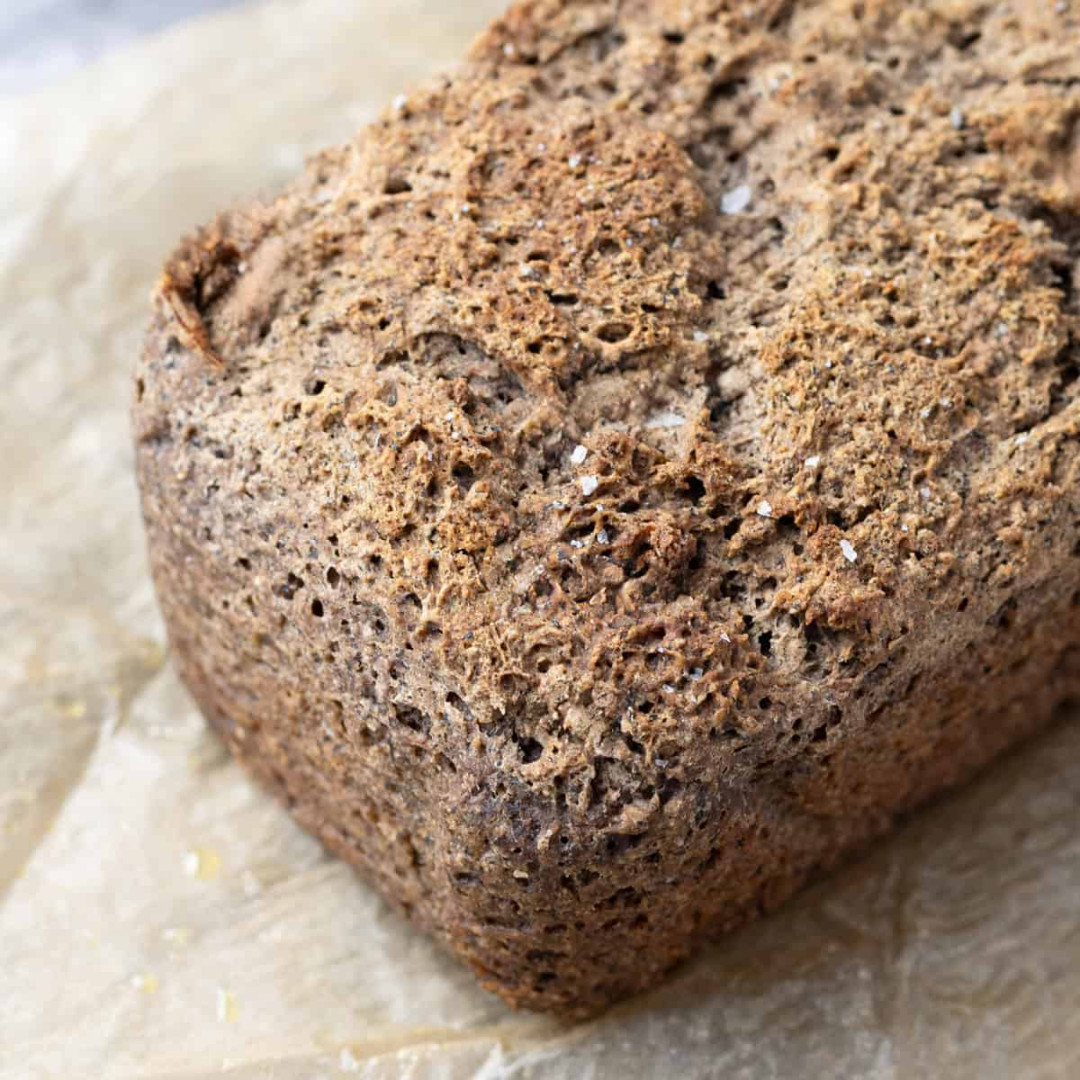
(638, 467)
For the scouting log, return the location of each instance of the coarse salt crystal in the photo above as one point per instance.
(574, 161)
(577, 543)
(764, 510)
(904, 528)
(1021, 438)
(700, 336)
(956, 117)
(736, 200)
(665, 419)
(924, 492)
(848, 551)
(400, 102)
(580, 453)
(602, 536)
(450, 417)
(589, 484)
(925, 413)
(724, 638)
(509, 49)
(668, 688)
(697, 673)
(812, 462)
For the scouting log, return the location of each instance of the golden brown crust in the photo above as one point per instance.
(638, 466)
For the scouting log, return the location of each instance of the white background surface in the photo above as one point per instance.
(42, 40)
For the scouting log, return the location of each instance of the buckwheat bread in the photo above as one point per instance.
(640, 466)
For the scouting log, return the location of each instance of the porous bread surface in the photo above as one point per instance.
(617, 483)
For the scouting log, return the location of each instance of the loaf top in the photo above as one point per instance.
(667, 370)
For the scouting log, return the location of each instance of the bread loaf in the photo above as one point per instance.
(617, 484)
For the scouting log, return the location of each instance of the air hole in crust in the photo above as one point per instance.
(613, 333)
(531, 750)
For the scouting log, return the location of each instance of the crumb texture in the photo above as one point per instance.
(612, 487)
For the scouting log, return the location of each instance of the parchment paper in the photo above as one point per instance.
(159, 917)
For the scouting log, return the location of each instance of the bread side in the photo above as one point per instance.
(613, 487)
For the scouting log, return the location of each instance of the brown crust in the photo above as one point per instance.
(801, 280)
